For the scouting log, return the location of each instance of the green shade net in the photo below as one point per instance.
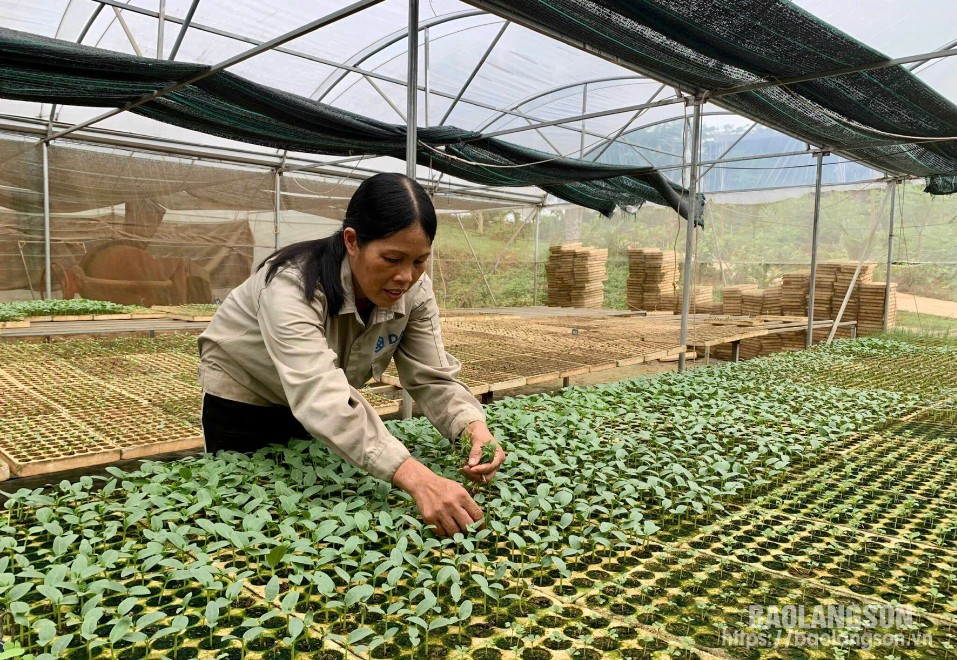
(940, 184)
(886, 118)
(36, 68)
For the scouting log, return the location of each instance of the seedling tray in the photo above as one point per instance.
(51, 442)
(634, 519)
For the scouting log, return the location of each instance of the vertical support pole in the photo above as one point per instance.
(412, 90)
(161, 23)
(411, 139)
(538, 222)
(736, 351)
(425, 109)
(689, 239)
(890, 257)
(425, 75)
(47, 263)
(277, 194)
(814, 231)
(581, 149)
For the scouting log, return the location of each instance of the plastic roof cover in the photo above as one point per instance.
(526, 77)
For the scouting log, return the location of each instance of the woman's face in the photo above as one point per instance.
(385, 269)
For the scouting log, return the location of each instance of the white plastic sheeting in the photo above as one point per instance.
(527, 77)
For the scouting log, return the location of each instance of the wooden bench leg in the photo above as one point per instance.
(735, 350)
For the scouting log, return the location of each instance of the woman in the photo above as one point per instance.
(287, 349)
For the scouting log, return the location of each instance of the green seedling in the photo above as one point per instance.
(489, 449)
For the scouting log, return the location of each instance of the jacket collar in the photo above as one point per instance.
(380, 314)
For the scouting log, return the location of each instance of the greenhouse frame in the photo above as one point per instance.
(696, 259)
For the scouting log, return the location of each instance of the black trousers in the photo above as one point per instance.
(237, 426)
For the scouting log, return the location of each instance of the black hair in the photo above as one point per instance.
(381, 206)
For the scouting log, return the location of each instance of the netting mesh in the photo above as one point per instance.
(754, 238)
(149, 229)
(35, 68)
(941, 185)
(123, 217)
(123, 226)
(714, 45)
(21, 232)
(204, 226)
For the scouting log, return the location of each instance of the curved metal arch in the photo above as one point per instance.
(367, 74)
(608, 142)
(538, 95)
(711, 113)
(334, 79)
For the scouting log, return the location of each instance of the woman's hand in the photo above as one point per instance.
(442, 503)
(475, 470)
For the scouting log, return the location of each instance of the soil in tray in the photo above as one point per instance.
(112, 367)
(20, 403)
(485, 654)
(48, 429)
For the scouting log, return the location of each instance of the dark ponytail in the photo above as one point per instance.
(382, 205)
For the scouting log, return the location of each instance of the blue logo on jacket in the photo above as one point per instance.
(380, 342)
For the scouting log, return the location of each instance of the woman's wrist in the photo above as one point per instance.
(474, 427)
(411, 475)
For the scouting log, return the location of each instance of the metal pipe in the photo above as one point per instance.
(538, 222)
(611, 140)
(277, 190)
(372, 74)
(425, 98)
(809, 340)
(552, 90)
(182, 29)
(842, 71)
(159, 29)
(917, 65)
(581, 147)
(128, 32)
(327, 85)
(582, 117)
(89, 23)
(475, 70)
(411, 146)
(425, 76)
(386, 99)
(47, 261)
(306, 56)
(562, 36)
(890, 256)
(26, 270)
(412, 90)
(692, 191)
(728, 150)
(236, 59)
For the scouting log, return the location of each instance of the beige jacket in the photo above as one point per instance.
(267, 346)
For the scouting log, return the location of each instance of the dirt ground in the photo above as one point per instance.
(910, 303)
